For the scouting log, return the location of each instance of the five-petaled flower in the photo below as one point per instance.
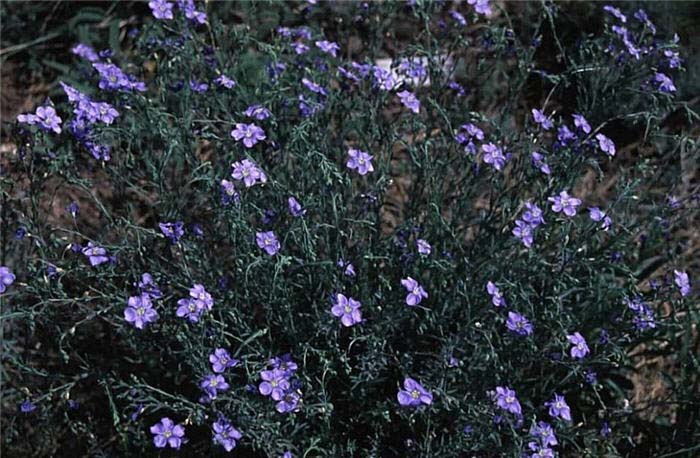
(519, 324)
(268, 242)
(558, 408)
(221, 360)
(606, 145)
(506, 399)
(413, 394)
(6, 278)
(140, 311)
(248, 172)
(579, 348)
(682, 281)
(410, 101)
(95, 254)
(225, 434)
(360, 160)
(564, 202)
(167, 433)
(249, 133)
(347, 309)
(416, 293)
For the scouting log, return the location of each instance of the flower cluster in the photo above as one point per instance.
(280, 383)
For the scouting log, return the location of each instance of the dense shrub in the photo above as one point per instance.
(278, 244)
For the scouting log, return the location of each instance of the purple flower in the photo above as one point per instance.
(674, 59)
(606, 145)
(85, 51)
(544, 433)
(493, 155)
(580, 349)
(558, 408)
(285, 363)
(299, 47)
(198, 86)
(457, 16)
(139, 311)
(413, 67)
(641, 15)
(213, 384)
(506, 399)
(204, 299)
(409, 100)
(423, 246)
(360, 160)
(168, 433)
(221, 360)
(275, 383)
(191, 13)
(95, 254)
(496, 297)
(27, 406)
(225, 81)
(564, 135)
(519, 324)
(229, 193)
(481, 6)
(542, 119)
(540, 451)
(383, 79)
(113, 78)
(249, 172)
(288, 402)
(347, 309)
(597, 214)
(287, 454)
(258, 112)
(682, 281)
(6, 278)
(147, 286)
(564, 202)
(329, 47)
(268, 242)
(295, 208)
(413, 394)
(190, 309)
(416, 293)
(605, 430)
(45, 116)
(161, 9)
(313, 87)
(225, 434)
(349, 268)
(615, 12)
(173, 231)
(538, 161)
(665, 83)
(581, 123)
(249, 133)
(533, 214)
(524, 232)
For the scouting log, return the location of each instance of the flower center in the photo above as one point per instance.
(415, 394)
(140, 311)
(213, 382)
(167, 434)
(348, 309)
(274, 383)
(192, 307)
(509, 399)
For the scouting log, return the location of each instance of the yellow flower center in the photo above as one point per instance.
(167, 434)
(415, 394)
(348, 309)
